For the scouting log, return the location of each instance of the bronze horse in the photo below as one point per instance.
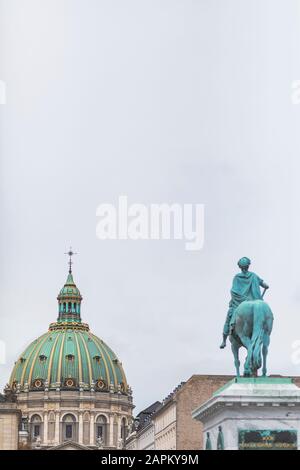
(253, 322)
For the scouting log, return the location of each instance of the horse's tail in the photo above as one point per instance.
(257, 335)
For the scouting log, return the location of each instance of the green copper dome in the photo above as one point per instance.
(69, 356)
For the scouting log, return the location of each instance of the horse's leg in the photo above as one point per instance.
(247, 343)
(235, 350)
(266, 342)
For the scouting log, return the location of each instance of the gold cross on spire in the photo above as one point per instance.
(70, 253)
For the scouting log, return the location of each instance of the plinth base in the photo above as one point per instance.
(252, 413)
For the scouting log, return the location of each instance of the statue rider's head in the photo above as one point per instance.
(244, 264)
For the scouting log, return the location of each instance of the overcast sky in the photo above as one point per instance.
(165, 101)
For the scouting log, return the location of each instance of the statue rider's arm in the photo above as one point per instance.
(263, 284)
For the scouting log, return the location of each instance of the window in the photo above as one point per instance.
(70, 357)
(24, 424)
(69, 431)
(36, 430)
(101, 428)
(123, 430)
(69, 427)
(36, 426)
(100, 431)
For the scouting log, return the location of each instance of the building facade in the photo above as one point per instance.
(165, 425)
(142, 435)
(9, 423)
(69, 387)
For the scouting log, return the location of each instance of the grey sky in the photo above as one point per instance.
(165, 101)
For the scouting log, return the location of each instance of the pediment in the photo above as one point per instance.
(70, 445)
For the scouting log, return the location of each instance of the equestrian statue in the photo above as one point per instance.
(249, 320)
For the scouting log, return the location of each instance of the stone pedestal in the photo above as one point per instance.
(252, 413)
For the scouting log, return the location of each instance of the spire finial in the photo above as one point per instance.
(70, 253)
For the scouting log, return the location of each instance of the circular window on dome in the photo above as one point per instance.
(101, 384)
(14, 385)
(38, 383)
(70, 383)
(70, 357)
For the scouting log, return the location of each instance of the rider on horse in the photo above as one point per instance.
(246, 286)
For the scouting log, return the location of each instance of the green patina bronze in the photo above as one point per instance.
(220, 440)
(245, 286)
(208, 445)
(267, 439)
(249, 320)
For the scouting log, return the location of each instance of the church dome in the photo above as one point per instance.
(68, 356)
